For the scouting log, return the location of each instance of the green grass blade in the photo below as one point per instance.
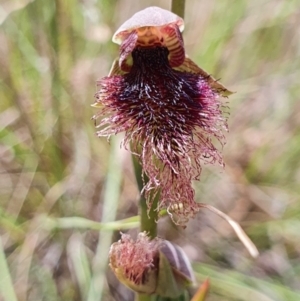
(7, 291)
(110, 204)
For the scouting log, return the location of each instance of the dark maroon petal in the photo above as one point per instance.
(170, 119)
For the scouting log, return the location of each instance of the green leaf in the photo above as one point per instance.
(169, 284)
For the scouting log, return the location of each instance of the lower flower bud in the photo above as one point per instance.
(135, 262)
(151, 266)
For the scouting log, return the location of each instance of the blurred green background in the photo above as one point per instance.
(53, 166)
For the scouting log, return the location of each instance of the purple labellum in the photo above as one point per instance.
(167, 106)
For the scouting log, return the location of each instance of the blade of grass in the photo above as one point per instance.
(79, 263)
(249, 245)
(83, 223)
(23, 186)
(236, 285)
(202, 291)
(35, 236)
(7, 291)
(110, 204)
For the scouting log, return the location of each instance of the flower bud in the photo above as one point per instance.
(151, 267)
(135, 262)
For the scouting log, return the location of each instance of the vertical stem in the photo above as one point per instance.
(148, 219)
(178, 7)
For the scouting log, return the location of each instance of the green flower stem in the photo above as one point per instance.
(148, 219)
(178, 7)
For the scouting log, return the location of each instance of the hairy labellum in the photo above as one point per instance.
(169, 118)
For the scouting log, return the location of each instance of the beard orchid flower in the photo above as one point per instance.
(167, 106)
